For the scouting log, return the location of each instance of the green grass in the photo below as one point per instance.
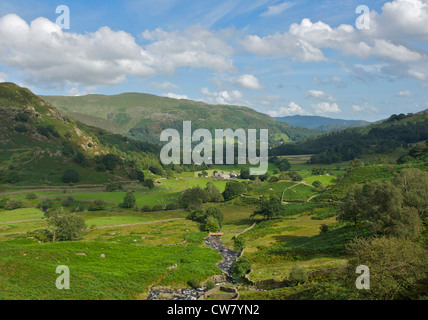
(21, 214)
(126, 272)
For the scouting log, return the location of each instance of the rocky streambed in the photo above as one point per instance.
(229, 257)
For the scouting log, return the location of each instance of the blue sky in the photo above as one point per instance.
(278, 57)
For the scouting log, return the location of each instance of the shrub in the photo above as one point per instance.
(210, 285)
(317, 184)
(31, 196)
(129, 201)
(146, 209)
(149, 183)
(157, 207)
(298, 275)
(241, 267)
(211, 224)
(97, 205)
(172, 206)
(194, 283)
(68, 202)
(239, 243)
(45, 205)
(14, 204)
(323, 229)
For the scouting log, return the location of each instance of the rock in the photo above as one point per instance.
(80, 254)
(103, 255)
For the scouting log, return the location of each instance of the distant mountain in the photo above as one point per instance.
(144, 116)
(321, 123)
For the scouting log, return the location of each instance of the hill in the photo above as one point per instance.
(38, 144)
(144, 116)
(321, 123)
(398, 131)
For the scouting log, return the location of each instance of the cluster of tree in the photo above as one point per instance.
(351, 143)
(245, 174)
(194, 197)
(211, 219)
(107, 162)
(269, 208)
(416, 152)
(234, 189)
(10, 204)
(395, 208)
(282, 164)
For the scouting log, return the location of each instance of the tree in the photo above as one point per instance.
(149, 183)
(136, 174)
(269, 208)
(64, 226)
(216, 213)
(232, 190)
(386, 213)
(352, 209)
(70, 176)
(45, 205)
(211, 224)
(356, 163)
(317, 184)
(213, 193)
(129, 200)
(396, 267)
(245, 173)
(414, 187)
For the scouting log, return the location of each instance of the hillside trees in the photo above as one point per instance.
(390, 208)
(233, 189)
(269, 208)
(398, 268)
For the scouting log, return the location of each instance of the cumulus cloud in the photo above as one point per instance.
(365, 108)
(176, 96)
(319, 95)
(194, 47)
(277, 9)
(44, 53)
(233, 97)
(325, 107)
(248, 81)
(404, 94)
(290, 110)
(390, 37)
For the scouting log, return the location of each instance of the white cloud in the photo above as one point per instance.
(290, 110)
(248, 81)
(3, 77)
(176, 96)
(277, 9)
(391, 39)
(194, 47)
(283, 44)
(319, 95)
(404, 94)
(365, 108)
(233, 97)
(44, 53)
(325, 107)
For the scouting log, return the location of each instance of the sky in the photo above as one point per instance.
(325, 58)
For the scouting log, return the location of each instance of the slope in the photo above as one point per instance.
(144, 116)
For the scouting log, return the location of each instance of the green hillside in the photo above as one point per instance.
(379, 139)
(144, 116)
(38, 144)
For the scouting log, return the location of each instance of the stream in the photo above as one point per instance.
(229, 257)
